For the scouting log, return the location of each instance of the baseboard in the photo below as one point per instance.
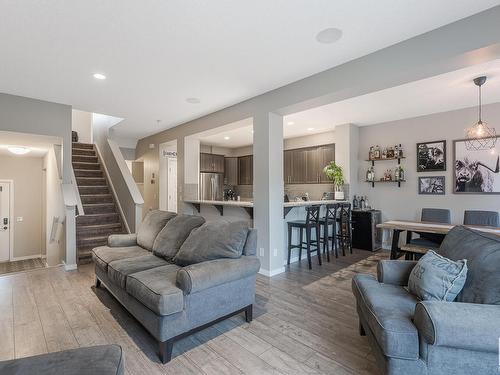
(272, 273)
(26, 257)
(69, 267)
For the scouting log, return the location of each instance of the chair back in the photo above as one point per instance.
(436, 215)
(332, 211)
(489, 218)
(312, 214)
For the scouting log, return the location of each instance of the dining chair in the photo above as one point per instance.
(475, 217)
(431, 215)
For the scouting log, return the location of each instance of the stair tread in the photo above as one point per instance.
(94, 238)
(100, 226)
(99, 204)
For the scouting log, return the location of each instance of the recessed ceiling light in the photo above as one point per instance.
(328, 36)
(290, 123)
(227, 138)
(99, 76)
(310, 129)
(18, 150)
(193, 100)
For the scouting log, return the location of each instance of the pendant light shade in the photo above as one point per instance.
(480, 136)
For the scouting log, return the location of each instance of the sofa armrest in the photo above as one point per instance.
(201, 276)
(395, 272)
(459, 325)
(122, 240)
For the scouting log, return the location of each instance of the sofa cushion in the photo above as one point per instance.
(118, 270)
(152, 224)
(388, 311)
(156, 289)
(213, 240)
(103, 255)
(170, 239)
(482, 251)
(250, 247)
(94, 360)
(436, 278)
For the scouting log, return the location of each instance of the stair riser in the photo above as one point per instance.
(77, 151)
(93, 220)
(97, 231)
(84, 181)
(89, 199)
(93, 166)
(91, 243)
(88, 173)
(83, 145)
(104, 209)
(84, 159)
(88, 190)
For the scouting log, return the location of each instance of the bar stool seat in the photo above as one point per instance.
(311, 222)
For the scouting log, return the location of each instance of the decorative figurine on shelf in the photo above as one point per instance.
(370, 153)
(390, 153)
(387, 175)
(376, 152)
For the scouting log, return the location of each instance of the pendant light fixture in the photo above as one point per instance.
(480, 136)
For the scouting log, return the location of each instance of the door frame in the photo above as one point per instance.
(169, 181)
(11, 217)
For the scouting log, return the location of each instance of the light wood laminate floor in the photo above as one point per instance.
(304, 323)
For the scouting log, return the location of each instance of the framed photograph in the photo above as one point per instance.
(476, 172)
(431, 185)
(431, 156)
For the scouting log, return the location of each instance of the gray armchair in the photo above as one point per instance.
(433, 337)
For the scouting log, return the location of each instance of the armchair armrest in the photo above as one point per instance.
(201, 276)
(459, 325)
(395, 272)
(122, 240)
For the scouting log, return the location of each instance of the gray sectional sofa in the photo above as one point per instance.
(178, 274)
(413, 337)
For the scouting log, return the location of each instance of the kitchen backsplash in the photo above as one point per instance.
(315, 191)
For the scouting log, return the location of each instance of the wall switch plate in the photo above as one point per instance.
(261, 251)
(19, 219)
(151, 145)
(275, 252)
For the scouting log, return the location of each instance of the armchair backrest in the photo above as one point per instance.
(482, 251)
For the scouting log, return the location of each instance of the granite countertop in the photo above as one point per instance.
(250, 204)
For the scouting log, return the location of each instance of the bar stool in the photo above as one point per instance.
(311, 222)
(345, 227)
(330, 219)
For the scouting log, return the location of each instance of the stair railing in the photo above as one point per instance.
(79, 204)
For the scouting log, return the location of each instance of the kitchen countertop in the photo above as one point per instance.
(250, 204)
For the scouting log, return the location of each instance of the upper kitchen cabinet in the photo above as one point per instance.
(231, 171)
(305, 165)
(245, 170)
(211, 163)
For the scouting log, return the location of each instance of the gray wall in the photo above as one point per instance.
(405, 202)
(28, 190)
(25, 115)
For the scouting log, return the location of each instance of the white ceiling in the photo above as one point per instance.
(158, 53)
(38, 145)
(446, 92)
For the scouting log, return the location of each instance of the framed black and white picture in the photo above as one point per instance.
(431, 156)
(476, 172)
(431, 185)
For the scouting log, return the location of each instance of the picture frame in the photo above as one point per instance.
(432, 185)
(431, 156)
(476, 172)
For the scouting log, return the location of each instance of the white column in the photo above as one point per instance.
(268, 190)
(70, 227)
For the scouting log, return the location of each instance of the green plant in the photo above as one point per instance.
(335, 174)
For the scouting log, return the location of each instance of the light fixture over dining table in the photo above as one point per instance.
(480, 136)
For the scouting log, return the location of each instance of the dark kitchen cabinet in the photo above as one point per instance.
(231, 171)
(365, 234)
(245, 170)
(305, 165)
(211, 163)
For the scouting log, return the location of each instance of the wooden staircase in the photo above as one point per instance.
(101, 216)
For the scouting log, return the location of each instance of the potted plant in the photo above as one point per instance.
(335, 174)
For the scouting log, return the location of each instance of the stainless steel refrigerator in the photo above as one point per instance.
(211, 186)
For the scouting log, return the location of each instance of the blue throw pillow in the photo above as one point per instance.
(436, 278)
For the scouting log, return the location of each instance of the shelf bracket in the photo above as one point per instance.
(197, 206)
(286, 210)
(249, 210)
(219, 208)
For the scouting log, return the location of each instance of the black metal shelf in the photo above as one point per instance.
(386, 159)
(377, 181)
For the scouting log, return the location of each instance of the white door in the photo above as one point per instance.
(172, 185)
(4, 221)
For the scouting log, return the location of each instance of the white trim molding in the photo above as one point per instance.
(272, 273)
(11, 217)
(69, 267)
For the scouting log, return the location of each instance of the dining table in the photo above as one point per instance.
(399, 226)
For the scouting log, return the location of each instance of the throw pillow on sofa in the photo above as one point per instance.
(153, 223)
(437, 278)
(170, 239)
(213, 240)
